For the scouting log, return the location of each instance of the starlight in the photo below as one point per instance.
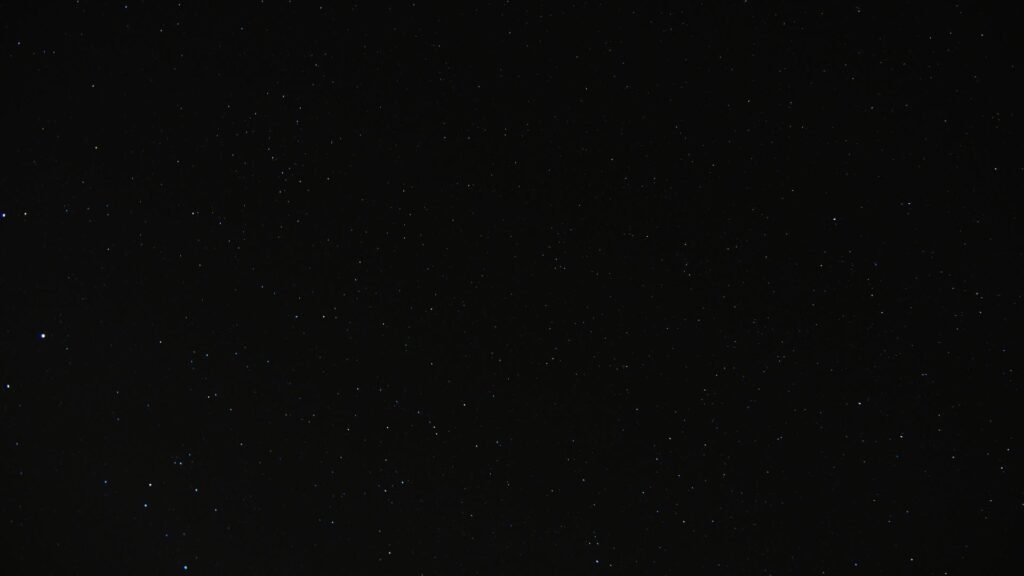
(417, 288)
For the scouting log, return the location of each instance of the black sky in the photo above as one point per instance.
(700, 287)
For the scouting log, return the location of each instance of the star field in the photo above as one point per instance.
(586, 288)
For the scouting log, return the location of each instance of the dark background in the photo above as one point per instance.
(714, 288)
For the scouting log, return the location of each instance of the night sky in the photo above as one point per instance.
(510, 288)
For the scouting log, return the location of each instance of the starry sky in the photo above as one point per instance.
(503, 287)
